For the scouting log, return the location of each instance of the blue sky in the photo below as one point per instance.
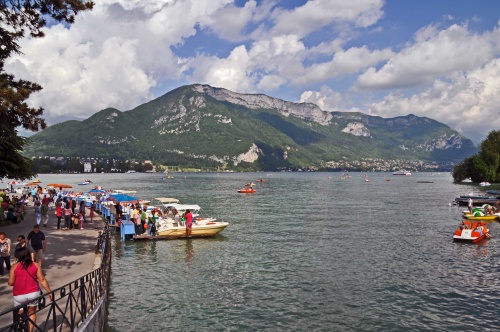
(438, 59)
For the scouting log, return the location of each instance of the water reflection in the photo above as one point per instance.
(189, 250)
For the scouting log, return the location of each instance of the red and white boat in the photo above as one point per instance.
(472, 231)
(247, 191)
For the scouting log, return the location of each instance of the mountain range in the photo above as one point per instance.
(202, 126)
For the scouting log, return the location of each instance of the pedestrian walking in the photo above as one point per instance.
(82, 211)
(45, 214)
(4, 253)
(38, 212)
(68, 217)
(37, 240)
(21, 243)
(26, 276)
(59, 214)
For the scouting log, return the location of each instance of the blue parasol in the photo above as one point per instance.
(122, 198)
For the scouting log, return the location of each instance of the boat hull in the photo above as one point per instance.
(196, 230)
(474, 240)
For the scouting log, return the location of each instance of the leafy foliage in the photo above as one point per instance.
(485, 165)
(19, 17)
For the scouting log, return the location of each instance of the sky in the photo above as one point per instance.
(432, 58)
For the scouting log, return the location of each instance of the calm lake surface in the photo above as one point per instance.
(308, 251)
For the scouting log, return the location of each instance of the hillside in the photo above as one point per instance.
(202, 126)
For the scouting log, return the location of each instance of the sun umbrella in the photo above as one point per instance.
(16, 183)
(59, 185)
(96, 191)
(122, 198)
(33, 183)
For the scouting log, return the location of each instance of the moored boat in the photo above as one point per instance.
(402, 172)
(493, 192)
(477, 199)
(471, 231)
(492, 217)
(170, 226)
(200, 228)
(247, 191)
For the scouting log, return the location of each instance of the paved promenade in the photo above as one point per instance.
(69, 255)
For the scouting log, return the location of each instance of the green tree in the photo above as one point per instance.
(19, 17)
(484, 166)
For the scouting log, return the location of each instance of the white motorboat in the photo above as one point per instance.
(169, 225)
(402, 172)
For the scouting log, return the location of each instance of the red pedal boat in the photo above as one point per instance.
(472, 231)
(247, 191)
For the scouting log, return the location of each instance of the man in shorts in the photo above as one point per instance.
(37, 240)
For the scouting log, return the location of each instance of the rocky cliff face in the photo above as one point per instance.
(356, 129)
(444, 143)
(305, 111)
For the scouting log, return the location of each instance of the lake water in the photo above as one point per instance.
(308, 251)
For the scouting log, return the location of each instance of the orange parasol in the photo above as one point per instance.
(60, 185)
(33, 183)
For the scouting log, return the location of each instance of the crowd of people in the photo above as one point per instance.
(145, 220)
(13, 209)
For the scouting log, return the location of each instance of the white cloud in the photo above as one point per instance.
(467, 102)
(343, 62)
(228, 21)
(111, 57)
(434, 54)
(314, 15)
(229, 73)
(326, 99)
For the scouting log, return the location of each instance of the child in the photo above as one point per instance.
(80, 217)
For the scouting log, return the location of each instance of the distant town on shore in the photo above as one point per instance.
(111, 165)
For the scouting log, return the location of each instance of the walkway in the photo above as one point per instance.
(69, 255)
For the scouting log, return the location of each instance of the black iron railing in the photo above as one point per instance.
(72, 303)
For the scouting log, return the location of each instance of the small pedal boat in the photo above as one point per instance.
(247, 191)
(471, 231)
